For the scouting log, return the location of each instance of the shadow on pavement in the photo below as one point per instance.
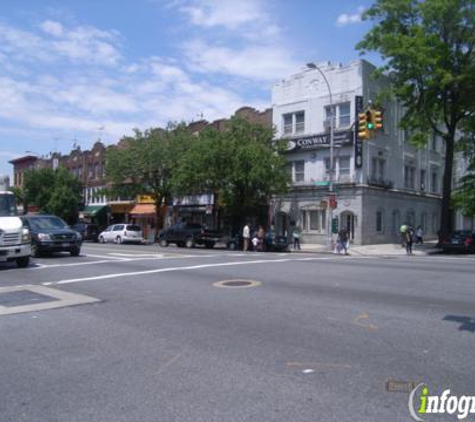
(466, 323)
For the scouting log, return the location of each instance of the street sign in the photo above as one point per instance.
(321, 183)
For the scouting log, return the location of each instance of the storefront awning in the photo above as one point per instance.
(93, 210)
(143, 210)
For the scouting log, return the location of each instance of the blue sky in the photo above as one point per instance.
(78, 70)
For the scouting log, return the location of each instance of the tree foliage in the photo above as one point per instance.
(428, 51)
(143, 164)
(242, 166)
(55, 192)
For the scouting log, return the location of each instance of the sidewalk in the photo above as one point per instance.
(387, 249)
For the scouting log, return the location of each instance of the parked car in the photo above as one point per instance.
(88, 231)
(272, 242)
(121, 233)
(189, 235)
(462, 241)
(50, 233)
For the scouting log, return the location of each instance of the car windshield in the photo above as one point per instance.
(133, 228)
(7, 205)
(47, 223)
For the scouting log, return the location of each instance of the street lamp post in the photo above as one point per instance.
(330, 173)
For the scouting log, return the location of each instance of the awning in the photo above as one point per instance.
(93, 210)
(143, 210)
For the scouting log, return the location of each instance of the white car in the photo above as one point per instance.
(121, 233)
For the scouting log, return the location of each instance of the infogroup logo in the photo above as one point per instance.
(423, 404)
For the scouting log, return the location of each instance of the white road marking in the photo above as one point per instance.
(102, 256)
(172, 269)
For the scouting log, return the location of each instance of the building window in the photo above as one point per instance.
(409, 182)
(341, 115)
(296, 170)
(422, 181)
(434, 142)
(96, 171)
(434, 180)
(380, 221)
(344, 166)
(294, 123)
(396, 221)
(314, 221)
(288, 124)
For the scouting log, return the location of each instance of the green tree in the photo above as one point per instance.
(55, 192)
(143, 164)
(428, 51)
(242, 166)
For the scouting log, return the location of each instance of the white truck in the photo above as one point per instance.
(15, 240)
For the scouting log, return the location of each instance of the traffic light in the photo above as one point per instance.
(377, 119)
(363, 132)
(335, 225)
(369, 120)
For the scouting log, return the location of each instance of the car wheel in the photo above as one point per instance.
(190, 243)
(232, 246)
(35, 252)
(163, 243)
(118, 240)
(101, 239)
(75, 251)
(23, 261)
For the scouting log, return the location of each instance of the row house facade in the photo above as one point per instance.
(378, 184)
(89, 166)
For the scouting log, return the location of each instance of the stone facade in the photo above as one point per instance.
(378, 184)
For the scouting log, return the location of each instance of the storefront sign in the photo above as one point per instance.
(312, 142)
(204, 199)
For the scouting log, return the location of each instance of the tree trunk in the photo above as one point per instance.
(446, 216)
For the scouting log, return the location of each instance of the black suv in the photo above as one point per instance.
(88, 231)
(50, 233)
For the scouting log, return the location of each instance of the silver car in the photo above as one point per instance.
(122, 233)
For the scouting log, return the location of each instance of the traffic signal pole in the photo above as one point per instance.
(332, 164)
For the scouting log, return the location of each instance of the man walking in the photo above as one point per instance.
(246, 234)
(343, 239)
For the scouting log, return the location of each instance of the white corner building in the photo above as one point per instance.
(378, 184)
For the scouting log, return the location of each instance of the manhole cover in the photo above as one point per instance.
(23, 297)
(237, 283)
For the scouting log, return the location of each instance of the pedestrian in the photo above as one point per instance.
(343, 238)
(409, 234)
(402, 233)
(245, 237)
(261, 234)
(419, 235)
(255, 243)
(296, 236)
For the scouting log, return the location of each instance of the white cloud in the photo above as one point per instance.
(80, 44)
(52, 28)
(257, 62)
(347, 19)
(228, 13)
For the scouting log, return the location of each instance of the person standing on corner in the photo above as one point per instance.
(261, 234)
(409, 239)
(246, 234)
(419, 235)
(296, 236)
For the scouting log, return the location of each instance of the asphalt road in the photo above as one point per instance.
(315, 338)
